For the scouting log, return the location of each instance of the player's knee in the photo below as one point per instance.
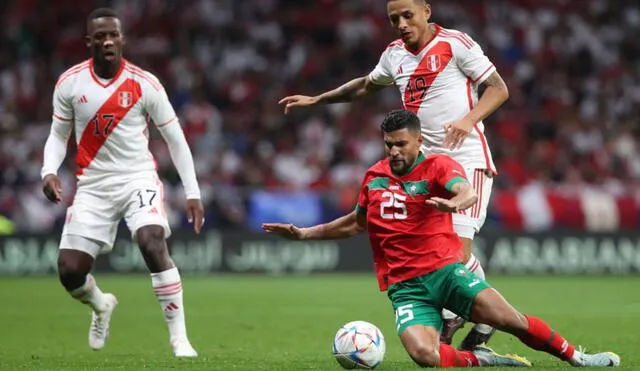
(73, 262)
(425, 356)
(73, 267)
(151, 240)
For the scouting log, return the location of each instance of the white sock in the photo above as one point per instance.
(168, 289)
(576, 359)
(89, 293)
(447, 314)
(474, 266)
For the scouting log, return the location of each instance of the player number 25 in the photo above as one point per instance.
(394, 201)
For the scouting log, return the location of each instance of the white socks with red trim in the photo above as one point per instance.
(168, 289)
(89, 293)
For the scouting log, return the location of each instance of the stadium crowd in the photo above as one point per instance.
(567, 144)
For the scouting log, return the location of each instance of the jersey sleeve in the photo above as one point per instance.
(55, 148)
(363, 198)
(471, 59)
(157, 103)
(62, 104)
(164, 117)
(381, 74)
(449, 172)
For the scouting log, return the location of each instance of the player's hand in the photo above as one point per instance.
(296, 101)
(195, 214)
(443, 204)
(456, 133)
(51, 188)
(288, 231)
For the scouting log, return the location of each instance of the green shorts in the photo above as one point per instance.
(420, 300)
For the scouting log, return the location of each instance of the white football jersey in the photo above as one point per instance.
(110, 117)
(439, 83)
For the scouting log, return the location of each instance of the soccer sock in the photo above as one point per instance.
(450, 357)
(448, 315)
(89, 293)
(168, 289)
(541, 337)
(474, 266)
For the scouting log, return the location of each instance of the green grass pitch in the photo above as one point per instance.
(284, 323)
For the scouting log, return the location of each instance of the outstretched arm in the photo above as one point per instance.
(343, 227)
(352, 90)
(464, 197)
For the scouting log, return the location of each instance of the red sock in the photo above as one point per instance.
(540, 336)
(450, 357)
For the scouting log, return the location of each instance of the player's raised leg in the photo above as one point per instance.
(418, 320)
(490, 307)
(75, 262)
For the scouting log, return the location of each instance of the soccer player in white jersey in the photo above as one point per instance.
(107, 101)
(438, 72)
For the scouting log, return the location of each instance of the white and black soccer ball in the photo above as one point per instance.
(359, 344)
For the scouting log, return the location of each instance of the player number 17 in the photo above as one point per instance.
(150, 195)
(102, 124)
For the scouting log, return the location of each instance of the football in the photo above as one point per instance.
(359, 344)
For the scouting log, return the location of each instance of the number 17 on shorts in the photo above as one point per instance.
(146, 206)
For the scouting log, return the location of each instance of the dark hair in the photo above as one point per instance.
(419, 2)
(400, 119)
(102, 13)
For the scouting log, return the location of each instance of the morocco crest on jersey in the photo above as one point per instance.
(433, 62)
(125, 99)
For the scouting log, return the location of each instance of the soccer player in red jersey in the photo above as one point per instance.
(405, 204)
(109, 103)
(437, 72)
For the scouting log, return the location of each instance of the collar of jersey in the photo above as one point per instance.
(436, 33)
(110, 81)
(409, 170)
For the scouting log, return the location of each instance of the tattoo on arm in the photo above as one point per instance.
(354, 89)
(495, 80)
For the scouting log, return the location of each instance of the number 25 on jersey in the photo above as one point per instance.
(393, 206)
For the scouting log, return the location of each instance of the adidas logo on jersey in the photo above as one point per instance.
(82, 99)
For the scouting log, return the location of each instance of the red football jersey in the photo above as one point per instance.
(408, 237)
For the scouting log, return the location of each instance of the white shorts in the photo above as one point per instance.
(98, 208)
(468, 222)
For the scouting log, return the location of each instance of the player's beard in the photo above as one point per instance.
(399, 166)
